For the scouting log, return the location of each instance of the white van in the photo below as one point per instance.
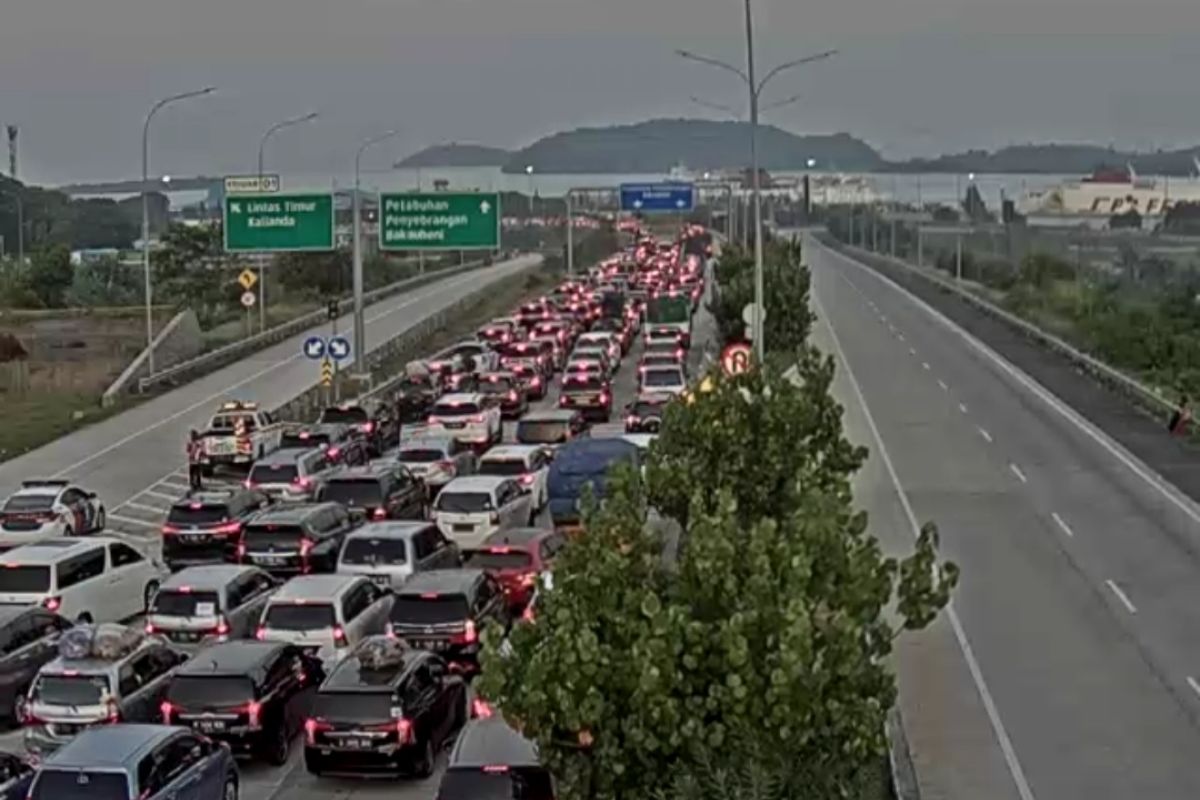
(470, 509)
(325, 615)
(97, 579)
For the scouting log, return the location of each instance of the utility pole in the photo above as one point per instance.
(18, 193)
(360, 327)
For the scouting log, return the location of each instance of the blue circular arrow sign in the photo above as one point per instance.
(313, 347)
(339, 348)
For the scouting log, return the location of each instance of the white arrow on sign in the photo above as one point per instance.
(235, 208)
(680, 203)
(485, 207)
(314, 348)
(637, 203)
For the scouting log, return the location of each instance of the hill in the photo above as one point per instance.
(456, 155)
(1052, 159)
(657, 145)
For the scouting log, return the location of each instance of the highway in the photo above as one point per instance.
(1069, 666)
(133, 460)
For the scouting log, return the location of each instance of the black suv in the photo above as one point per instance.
(383, 491)
(298, 539)
(28, 639)
(414, 396)
(446, 610)
(376, 422)
(645, 415)
(385, 708)
(205, 526)
(252, 695)
(343, 444)
(490, 759)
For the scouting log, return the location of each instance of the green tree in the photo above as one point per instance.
(50, 275)
(191, 270)
(789, 321)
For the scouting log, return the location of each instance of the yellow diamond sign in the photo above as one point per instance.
(247, 279)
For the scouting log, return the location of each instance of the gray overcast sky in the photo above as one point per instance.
(914, 76)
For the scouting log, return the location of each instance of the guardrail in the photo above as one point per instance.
(1144, 395)
(193, 367)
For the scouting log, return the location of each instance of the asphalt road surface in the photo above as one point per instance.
(1070, 665)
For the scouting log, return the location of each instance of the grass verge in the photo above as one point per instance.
(39, 417)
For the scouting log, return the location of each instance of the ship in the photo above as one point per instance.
(1107, 192)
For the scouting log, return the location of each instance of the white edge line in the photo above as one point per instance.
(1017, 471)
(983, 432)
(985, 694)
(133, 521)
(962, 407)
(1062, 524)
(942, 384)
(925, 364)
(1192, 683)
(1129, 606)
(1132, 462)
(912, 351)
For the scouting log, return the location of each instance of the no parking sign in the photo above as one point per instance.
(735, 359)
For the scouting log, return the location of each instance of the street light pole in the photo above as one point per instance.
(146, 212)
(360, 327)
(262, 261)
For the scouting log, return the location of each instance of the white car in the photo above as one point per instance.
(470, 509)
(662, 380)
(326, 615)
(45, 508)
(605, 340)
(98, 579)
(456, 357)
(471, 418)
(529, 464)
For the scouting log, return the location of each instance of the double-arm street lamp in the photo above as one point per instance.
(755, 88)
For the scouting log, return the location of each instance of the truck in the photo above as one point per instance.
(670, 312)
(238, 434)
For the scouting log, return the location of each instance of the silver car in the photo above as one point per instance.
(291, 475)
(212, 603)
(437, 460)
(390, 552)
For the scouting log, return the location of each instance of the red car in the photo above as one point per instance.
(515, 558)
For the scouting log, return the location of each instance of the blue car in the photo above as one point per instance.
(138, 762)
(578, 464)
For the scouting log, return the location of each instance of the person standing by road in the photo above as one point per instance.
(1178, 426)
(195, 456)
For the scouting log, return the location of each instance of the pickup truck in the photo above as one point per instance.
(238, 434)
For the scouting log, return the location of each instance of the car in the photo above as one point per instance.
(385, 709)
(506, 389)
(605, 340)
(591, 394)
(469, 509)
(46, 508)
(252, 696)
(16, 776)
(98, 579)
(382, 491)
(446, 610)
(100, 677)
(659, 359)
(28, 639)
(492, 760)
(583, 356)
(582, 463)
(529, 464)
(208, 604)
(436, 460)
(206, 526)
(238, 434)
(555, 349)
(645, 415)
(551, 428)
(462, 383)
(290, 476)
(298, 539)
(515, 557)
(525, 352)
(499, 332)
(662, 380)
(468, 356)
(325, 614)
(390, 552)
(375, 422)
(323, 435)
(147, 762)
(532, 378)
(470, 418)
(414, 395)
(664, 340)
(620, 329)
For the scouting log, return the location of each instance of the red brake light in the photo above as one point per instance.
(169, 530)
(306, 546)
(368, 427)
(52, 603)
(526, 480)
(495, 768)
(303, 483)
(150, 630)
(334, 452)
(311, 726)
(480, 709)
(469, 634)
(252, 711)
(166, 708)
(222, 627)
(477, 418)
(261, 633)
(339, 636)
(512, 396)
(230, 527)
(380, 513)
(404, 730)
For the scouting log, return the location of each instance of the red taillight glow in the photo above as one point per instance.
(632, 420)
(150, 629)
(380, 513)
(512, 396)
(169, 530)
(495, 768)
(261, 633)
(306, 546)
(303, 483)
(339, 636)
(480, 709)
(469, 634)
(311, 726)
(52, 603)
(367, 427)
(404, 730)
(166, 708)
(252, 711)
(333, 452)
(526, 480)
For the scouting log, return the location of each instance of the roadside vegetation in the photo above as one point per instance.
(750, 661)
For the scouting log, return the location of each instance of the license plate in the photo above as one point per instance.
(463, 528)
(428, 644)
(222, 448)
(271, 561)
(185, 637)
(210, 725)
(381, 580)
(196, 537)
(357, 744)
(455, 425)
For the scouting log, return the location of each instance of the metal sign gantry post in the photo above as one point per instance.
(727, 188)
(574, 190)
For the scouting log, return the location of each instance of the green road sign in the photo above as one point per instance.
(278, 222)
(440, 221)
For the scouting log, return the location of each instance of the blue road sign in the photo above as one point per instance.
(658, 196)
(339, 348)
(314, 347)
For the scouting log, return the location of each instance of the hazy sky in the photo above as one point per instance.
(913, 76)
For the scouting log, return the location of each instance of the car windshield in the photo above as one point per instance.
(496, 783)
(431, 610)
(70, 690)
(351, 415)
(179, 603)
(586, 382)
(18, 579)
(229, 422)
(497, 559)
(197, 514)
(73, 784)
(273, 473)
(264, 537)
(353, 706)
(455, 409)
(29, 502)
(420, 455)
(505, 467)
(210, 691)
(354, 492)
(455, 502)
(304, 439)
(496, 386)
(542, 432)
(644, 409)
(662, 377)
(300, 616)
(363, 550)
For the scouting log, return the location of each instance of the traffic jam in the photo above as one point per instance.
(325, 585)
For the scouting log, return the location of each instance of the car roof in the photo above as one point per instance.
(285, 514)
(41, 490)
(588, 448)
(349, 673)
(375, 469)
(516, 537)
(554, 415)
(207, 575)
(427, 442)
(284, 455)
(511, 452)
(235, 657)
(475, 483)
(53, 550)
(213, 496)
(441, 580)
(461, 397)
(109, 746)
(303, 587)
(391, 529)
(490, 741)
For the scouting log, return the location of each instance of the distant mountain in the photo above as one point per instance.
(456, 155)
(658, 145)
(1054, 159)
